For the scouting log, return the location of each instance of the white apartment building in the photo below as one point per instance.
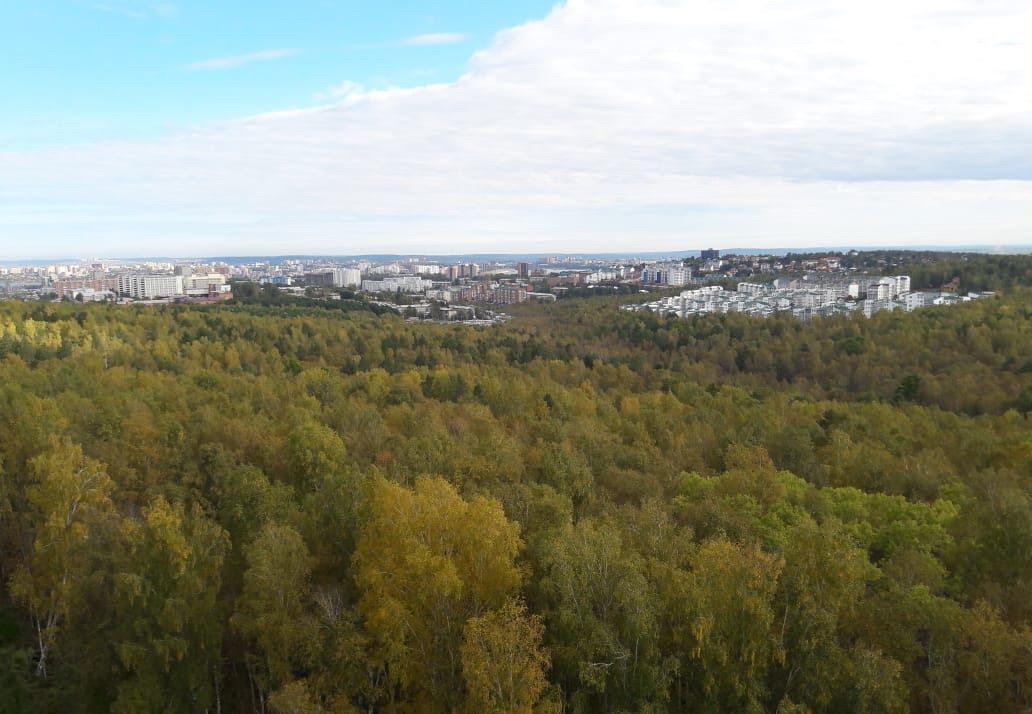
(405, 284)
(679, 275)
(881, 290)
(913, 301)
(203, 285)
(753, 288)
(150, 287)
(870, 306)
(347, 278)
(666, 274)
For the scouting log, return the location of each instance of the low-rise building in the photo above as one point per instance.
(68, 288)
(210, 285)
(508, 294)
(402, 283)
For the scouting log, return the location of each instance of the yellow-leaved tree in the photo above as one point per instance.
(427, 561)
(503, 662)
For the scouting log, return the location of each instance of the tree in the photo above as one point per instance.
(820, 586)
(273, 611)
(909, 388)
(17, 685)
(70, 499)
(995, 663)
(315, 452)
(875, 683)
(294, 698)
(426, 562)
(1024, 403)
(167, 630)
(721, 618)
(503, 664)
(601, 619)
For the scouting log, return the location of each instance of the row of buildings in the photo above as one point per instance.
(805, 298)
(144, 286)
(355, 276)
(710, 266)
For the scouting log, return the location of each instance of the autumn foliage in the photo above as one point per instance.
(282, 508)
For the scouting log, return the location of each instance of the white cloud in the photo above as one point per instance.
(436, 38)
(340, 91)
(240, 60)
(609, 124)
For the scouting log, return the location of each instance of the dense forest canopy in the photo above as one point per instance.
(289, 508)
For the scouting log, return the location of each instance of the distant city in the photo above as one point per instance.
(754, 283)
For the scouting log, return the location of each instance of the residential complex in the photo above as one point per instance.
(806, 298)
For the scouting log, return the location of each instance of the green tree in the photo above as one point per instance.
(167, 629)
(721, 618)
(70, 499)
(315, 453)
(601, 619)
(274, 609)
(824, 577)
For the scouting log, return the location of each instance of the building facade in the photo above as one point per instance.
(150, 287)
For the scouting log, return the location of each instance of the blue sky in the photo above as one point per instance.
(182, 128)
(87, 70)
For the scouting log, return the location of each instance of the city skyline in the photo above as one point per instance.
(136, 128)
(450, 290)
(643, 255)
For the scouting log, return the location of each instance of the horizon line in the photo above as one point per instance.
(1002, 248)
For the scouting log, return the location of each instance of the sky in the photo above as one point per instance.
(189, 128)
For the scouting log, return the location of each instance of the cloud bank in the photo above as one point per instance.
(609, 124)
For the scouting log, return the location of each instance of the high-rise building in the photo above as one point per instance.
(666, 274)
(710, 254)
(150, 287)
(523, 270)
(881, 290)
(324, 279)
(349, 278)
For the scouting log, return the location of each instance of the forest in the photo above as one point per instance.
(291, 509)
